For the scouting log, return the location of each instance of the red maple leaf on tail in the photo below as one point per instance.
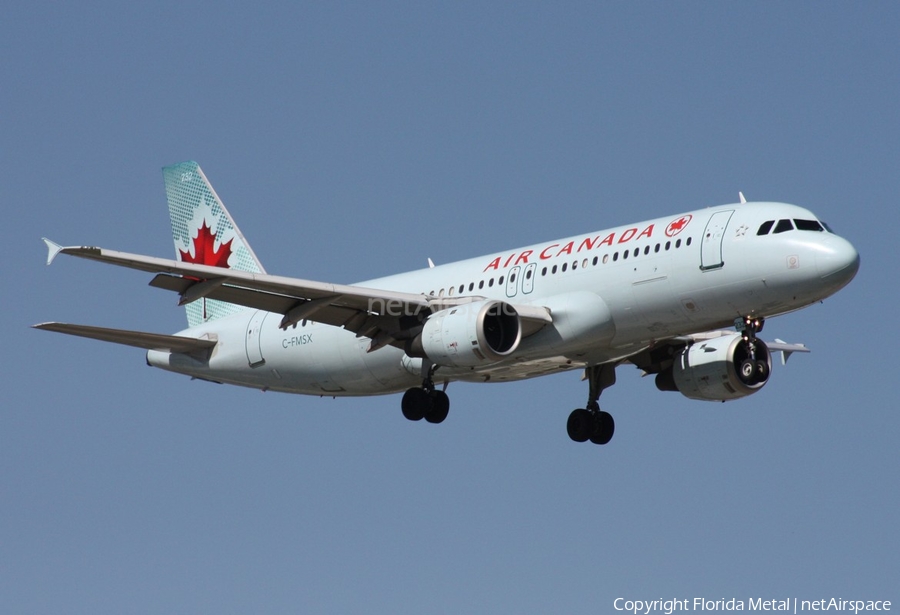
(204, 249)
(205, 253)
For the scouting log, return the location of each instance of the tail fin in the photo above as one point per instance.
(205, 233)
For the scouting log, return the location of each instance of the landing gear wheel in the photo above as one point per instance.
(438, 408)
(748, 370)
(592, 423)
(415, 403)
(580, 425)
(762, 371)
(605, 427)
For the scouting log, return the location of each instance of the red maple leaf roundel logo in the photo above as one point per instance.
(204, 249)
(676, 226)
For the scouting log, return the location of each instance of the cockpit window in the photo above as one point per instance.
(784, 225)
(765, 227)
(808, 225)
(827, 228)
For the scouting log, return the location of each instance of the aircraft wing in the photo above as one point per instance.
(382, 315)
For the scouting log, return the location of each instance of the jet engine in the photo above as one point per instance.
(472, 334)
(719, 369)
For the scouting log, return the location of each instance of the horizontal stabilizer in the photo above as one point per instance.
(139, 339)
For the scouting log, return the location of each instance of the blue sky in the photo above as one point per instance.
(352, 141)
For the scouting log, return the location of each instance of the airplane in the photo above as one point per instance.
(681, 297)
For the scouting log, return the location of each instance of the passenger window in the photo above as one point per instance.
(480, 284)
(595, 261)
(471, 286)
(646, 250)
(765, 227)
(678, 244)
(564, 265)
(491, 282)
(544, 271)
(500, 281)
(615, 256)
(688, 242)
(784, 225)
(554, 269)
(574, 265)
(656, 249)
(637, 251)
(462, 288)
(625, 254)
(668, 245)
(605, 258)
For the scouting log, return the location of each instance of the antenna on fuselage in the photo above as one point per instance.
(741, 194)
(430, 264)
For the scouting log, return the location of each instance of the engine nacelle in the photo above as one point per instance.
(721, 369)
(468, 335)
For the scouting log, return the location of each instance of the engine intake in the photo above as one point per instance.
(720, 369)
(468, 335)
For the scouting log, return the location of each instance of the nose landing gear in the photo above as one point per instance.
(755, 367)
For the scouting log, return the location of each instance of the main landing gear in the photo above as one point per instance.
(425, 401)
(592, 423)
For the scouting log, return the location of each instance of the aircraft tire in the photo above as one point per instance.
(439, 407)
(762, 371)
(748, 371)
(415, 403)
(580, 425)
(605, 429)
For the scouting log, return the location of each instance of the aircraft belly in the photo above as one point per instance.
(315, 359)
(524, 368)
(320, 359)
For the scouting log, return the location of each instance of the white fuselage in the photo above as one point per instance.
(610, 293)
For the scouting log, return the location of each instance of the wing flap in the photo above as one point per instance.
(270, 302)
(138, 339)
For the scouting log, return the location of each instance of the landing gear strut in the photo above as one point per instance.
(592, 423)
(754, 368)
(426, 401)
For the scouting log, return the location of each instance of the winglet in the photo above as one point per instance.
(53, 249)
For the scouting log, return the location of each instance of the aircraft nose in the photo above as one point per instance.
(837, 261)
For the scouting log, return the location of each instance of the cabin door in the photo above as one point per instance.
(254, 338)
(711, 244)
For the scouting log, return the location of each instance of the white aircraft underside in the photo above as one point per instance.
(681, 297)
